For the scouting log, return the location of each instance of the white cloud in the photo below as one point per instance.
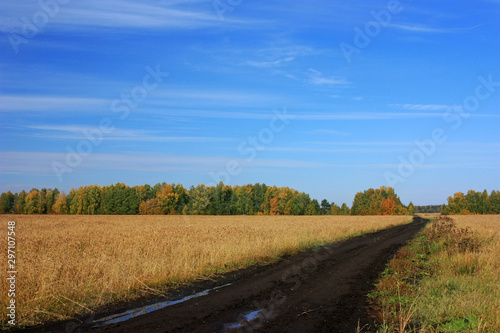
(422, 107)
(420, 28)
(21, 162)
(317, 78)
(159, 98)
(327, 131)
(49, 103)
(268, 64)
(119, 14)
(76, 132)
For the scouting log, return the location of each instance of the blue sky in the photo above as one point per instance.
(327, 97)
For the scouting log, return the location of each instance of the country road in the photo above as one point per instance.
(316, 291)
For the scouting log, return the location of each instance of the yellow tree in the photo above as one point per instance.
(60, 206)
(32, 202)
(275, 209)
(151, 207)
(169, 198)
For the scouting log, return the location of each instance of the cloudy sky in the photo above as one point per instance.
(327, 97)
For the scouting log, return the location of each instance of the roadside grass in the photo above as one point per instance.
(70, 265)
(447, 279)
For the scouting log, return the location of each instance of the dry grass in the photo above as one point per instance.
(464, 290)
(72, 264)
(446, 280)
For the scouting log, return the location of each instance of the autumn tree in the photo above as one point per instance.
(334, 209)
(457, 204)
(473, 203)
(143, 192)
(169, 198)
(411, 208)
(60, 206)
(382, 201)
(274, 206)
(32, 202)
(151, 207)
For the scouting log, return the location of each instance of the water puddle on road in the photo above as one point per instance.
(246, 319)
(121, 317)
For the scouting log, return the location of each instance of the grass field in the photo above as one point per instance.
(445, 280)
(73, 264)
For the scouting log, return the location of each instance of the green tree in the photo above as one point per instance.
(7, 203)
(411, 209)
(200, 200)
(494, 202)
(183, 197)
(334, 209)
(445, 210)
(20, 203)
(51, 200)
(325, 207)
(244, 197)
(344, 210)
(42, 201)
(120, 199)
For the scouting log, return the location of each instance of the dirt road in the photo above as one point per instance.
(317, 291)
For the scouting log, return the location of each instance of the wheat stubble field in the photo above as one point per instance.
(75, 264)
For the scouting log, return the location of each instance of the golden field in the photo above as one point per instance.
(73, 264)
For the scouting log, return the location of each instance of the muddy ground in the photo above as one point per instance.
(316, 291)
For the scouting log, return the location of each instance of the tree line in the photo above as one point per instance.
(472, 203)
(251, 199)
(170, 199)
(428, 209)
(163, 198)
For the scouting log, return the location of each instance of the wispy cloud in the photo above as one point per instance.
(269, 64)
(122, 14)
(326, 131)
(317, 78)
(160, 98)
(15, 103)
(422, 107)
(77, 132)
(424, 29)
(21, 162)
